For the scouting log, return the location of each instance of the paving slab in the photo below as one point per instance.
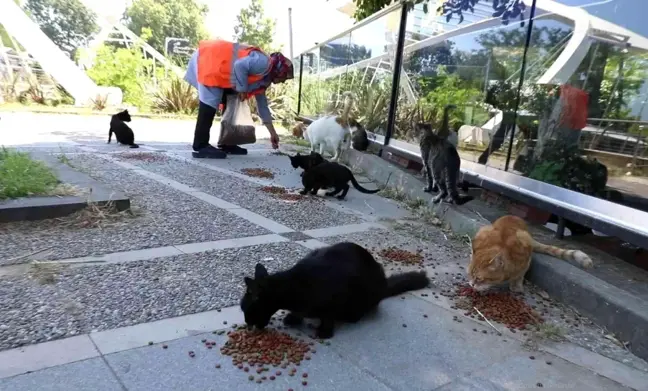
(93, 374)
(155, 368)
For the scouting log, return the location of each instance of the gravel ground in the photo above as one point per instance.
(446, 257)
(37, 307)
(164, 217)
(310, 213)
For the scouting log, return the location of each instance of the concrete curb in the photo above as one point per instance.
(41, 208)
(615, 309)
(101, 113)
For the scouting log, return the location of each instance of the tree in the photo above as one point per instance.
(254, 28)
(68, 23)
(167, 18)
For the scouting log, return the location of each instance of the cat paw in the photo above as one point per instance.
(436, 200)
(325, 330)
(340, 197)
(313, 192)
(427, 189)
(292, 320)
(303, 192)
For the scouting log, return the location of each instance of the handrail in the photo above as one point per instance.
(359, 24)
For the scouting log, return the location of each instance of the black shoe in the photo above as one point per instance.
(209, 152)
(233, 149)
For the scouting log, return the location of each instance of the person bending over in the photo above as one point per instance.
(219, 66)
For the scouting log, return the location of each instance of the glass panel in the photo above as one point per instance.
(360, 62)
(583, 122)
(458, 62)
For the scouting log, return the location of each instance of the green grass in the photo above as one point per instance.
(21, 176)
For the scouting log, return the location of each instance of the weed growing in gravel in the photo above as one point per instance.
(62, 158)
(98, 216)
(21, 176)
(393, 194)
(44, 272)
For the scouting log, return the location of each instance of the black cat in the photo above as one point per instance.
(331, 175)
(123, 133)
(306, 162)
(340, 283)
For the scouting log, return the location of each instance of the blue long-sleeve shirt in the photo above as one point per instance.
(256, 63)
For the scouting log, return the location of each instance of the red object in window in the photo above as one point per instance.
(575, 101)
(220, 107)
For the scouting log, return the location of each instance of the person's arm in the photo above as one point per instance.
(264, 110)
(254, 64)
(266, 117)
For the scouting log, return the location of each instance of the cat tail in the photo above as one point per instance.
(568, 255)
(405, 282)
(360, 188)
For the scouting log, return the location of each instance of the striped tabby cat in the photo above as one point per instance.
(441, 161)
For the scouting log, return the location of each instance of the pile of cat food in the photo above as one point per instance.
(401, 256)
(258, 173)
(144, 156)
(255, 352)
(282, 193)
(274, 189)
(501, 307)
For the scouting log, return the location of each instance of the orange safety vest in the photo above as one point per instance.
(216, 64)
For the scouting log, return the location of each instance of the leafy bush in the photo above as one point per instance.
(123, 68)
(20, 176)
(177, 96)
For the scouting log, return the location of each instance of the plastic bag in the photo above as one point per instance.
(237, 125)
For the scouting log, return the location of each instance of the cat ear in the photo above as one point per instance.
(248, 282)
(260, 271)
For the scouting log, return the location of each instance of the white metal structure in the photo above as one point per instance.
(51, 58)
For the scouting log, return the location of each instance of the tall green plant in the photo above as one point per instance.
(123, 68)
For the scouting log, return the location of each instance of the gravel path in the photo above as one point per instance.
(37, 307)
(445, 259)
(164, 217)
(309, 213)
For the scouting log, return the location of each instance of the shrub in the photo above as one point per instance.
(177, 96)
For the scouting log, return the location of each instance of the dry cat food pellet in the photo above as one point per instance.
(218, 366)
(263, 349)
(274, 189)
(398, 255)
(150, 343)
(164, 346)
(501, 307)
(258, 173)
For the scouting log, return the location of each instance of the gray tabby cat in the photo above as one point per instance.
(441, 162)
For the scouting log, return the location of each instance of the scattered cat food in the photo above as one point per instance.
(274, 189)
(258, 173)
(292, 197)
(398, 255)
(192, 354)
(501, 307)
(264, 349)
(143, 156)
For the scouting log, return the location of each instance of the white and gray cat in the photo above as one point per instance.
(441, 161)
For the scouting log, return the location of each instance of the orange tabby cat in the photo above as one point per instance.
(501, 253)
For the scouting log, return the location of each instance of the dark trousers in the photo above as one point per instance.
(206, 115)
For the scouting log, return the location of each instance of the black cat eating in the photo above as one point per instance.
(338, 283)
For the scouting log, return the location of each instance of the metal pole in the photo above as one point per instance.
(398, 67)
(290, 32)
(520, 85)
(301, 74)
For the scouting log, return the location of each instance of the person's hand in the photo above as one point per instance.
(242, 96)
(274, 139)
